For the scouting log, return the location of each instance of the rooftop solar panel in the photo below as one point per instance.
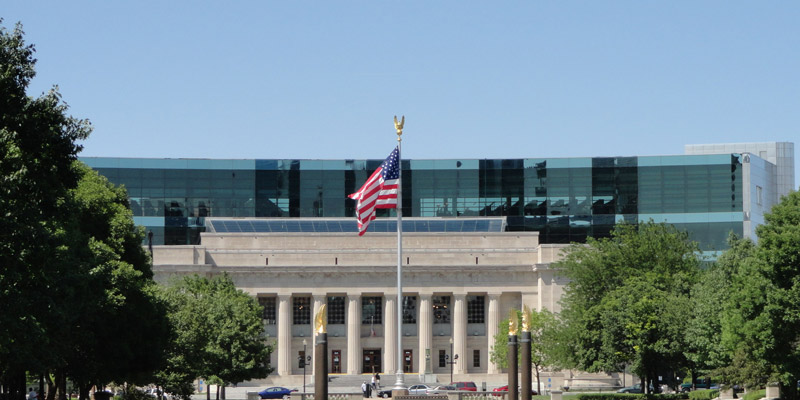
(349, 225)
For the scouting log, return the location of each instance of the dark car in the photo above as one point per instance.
(276, 392)
(385, 393)
(465, 386)
(505, 389)
(637, 388)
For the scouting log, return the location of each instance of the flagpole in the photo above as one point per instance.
(400, 381)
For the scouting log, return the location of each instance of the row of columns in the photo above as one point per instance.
(389, 357)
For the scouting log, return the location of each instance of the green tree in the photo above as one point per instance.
(118, 326)
(37, 149)
(624, 300)
(711, 304)
(763, 318)
(218, 333)
(544, 342)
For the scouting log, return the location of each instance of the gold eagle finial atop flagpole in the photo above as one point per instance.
(399, 126)
(320, 319)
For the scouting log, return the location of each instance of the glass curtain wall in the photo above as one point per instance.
(565, 199)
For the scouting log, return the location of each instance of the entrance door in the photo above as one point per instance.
(336, 363)
(371, 361)
(408, 361)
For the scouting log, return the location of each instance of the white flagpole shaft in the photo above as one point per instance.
(399, 384)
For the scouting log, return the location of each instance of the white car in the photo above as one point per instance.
(419, 390)
(441, 389)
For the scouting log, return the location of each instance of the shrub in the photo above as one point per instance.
(704, 394)
(631, 396)
(755, 394)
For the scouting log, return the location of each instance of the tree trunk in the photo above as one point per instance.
(538, 381)
(51, 388)
(61, 381)
(83, 391)
(789, 392)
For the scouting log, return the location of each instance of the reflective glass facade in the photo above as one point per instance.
(565, 199)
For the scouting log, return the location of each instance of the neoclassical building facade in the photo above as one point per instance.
(457, 287)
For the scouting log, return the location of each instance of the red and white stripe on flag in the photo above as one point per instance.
(379, 191)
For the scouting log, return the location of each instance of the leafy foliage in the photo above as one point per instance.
(76, 285)
(37, 148)
(218, 334)
(544, 342)
(115, 290)
(704, 394)
(631, 396)
(626, 299)
(711, 297)
(762, 324)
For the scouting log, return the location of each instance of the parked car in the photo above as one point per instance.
(276, 392)
(465, 386)
(637, 388)
(698, 384)
(385, 393)
(441, 389)
(419, 390)
(505, 389)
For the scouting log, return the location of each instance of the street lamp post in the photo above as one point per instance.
(451, 362)
(304, 362)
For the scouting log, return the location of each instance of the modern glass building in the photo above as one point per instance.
(564, 199)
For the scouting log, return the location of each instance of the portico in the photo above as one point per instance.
(456, 285)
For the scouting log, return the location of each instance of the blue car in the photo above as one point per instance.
(276, 392)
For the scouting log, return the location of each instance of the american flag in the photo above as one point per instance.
(379, 191)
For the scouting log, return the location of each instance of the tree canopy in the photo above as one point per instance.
(626, 299)
(219, 334)
(761, 328)
(77, 286)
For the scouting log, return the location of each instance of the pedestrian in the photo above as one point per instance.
(378, 380)
(32, 394)
(364, 389)
(374, 383)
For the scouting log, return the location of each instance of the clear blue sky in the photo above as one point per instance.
(323, 79)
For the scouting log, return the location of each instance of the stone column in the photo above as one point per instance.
(284, 335)
(390, 335)
(425, 331)
(460, 333)
(492, 321)
(354, 334)
(319, 300)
